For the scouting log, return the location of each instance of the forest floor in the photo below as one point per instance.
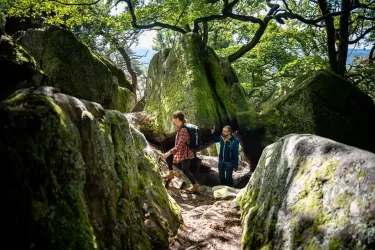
(207, 223)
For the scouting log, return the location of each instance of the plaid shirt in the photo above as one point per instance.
(181, 150)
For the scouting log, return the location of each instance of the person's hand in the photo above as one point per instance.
(165, 156)
(213, 129)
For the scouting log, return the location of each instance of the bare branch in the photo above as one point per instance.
(57, 1)
(119, 1)
(182, 12)
(366, 18)
(130, 70)
(322, 18)
(206, 19)
(247, 47)
(362, 35)
(258, 34)
(151, 25)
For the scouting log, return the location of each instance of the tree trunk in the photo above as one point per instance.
(205, 33)
(344, 38)
(371, 56)
(133, 75)
(330, 29)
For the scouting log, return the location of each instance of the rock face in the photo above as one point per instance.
(190, 77)
(324, 104)
(79, 177)
(17, 68)
(309, 192)
(75, 69)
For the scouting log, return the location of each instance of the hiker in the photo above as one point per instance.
(182, 154)
(228, 157)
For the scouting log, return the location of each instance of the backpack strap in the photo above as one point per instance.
(187, 144)
(231, 145)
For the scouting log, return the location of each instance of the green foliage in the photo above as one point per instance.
(362, 73)
(284, 53)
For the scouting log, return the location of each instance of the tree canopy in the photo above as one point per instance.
(263, 40)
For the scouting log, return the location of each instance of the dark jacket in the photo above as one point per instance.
(228, 150)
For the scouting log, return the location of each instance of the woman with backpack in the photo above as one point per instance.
(182, 154)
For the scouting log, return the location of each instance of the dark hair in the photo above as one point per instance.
(229, 128)
(178, 114)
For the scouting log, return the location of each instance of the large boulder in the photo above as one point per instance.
(78, 176)
(324, 104)
(17, 68)
(190, 77)
(310, 192)
(75, 69)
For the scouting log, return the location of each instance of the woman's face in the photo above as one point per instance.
(176, 121)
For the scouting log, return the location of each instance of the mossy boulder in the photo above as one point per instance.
(146, 124)
(17, 68)
(75, 69)
(190, 77)
(324, 104)
(309, 192)
(79, 177)
(225, 192)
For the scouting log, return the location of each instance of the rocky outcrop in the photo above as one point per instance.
(324, 104)
(75, 69)
(17, 68)
(309, 192)
(79, 177)
(190, 77)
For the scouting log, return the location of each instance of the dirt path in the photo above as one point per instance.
(208, 224)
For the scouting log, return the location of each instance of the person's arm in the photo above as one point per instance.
(235, 148)
(215, 138)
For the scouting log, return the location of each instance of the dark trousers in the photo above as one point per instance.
(226, 173)
(183, 165)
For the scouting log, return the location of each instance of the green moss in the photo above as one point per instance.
(324, 104)
(189, 77)
(125, 100)
(85, 187)
(42, 129)
(75, 69)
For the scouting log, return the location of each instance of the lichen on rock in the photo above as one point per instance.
(324, 104)
(80, 177)
(192, 78)
(76, 69)
(17, 68)
(309, 192)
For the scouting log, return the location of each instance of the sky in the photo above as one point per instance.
(146, 39)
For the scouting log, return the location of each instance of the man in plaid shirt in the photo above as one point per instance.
(181, 152)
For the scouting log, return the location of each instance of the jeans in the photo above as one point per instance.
(226, 173)
(183, 165)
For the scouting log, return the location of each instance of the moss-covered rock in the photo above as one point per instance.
(324, 104)
(17, 68)
(79, 177)
(190, 77)
(147, 124)
(309, 192)
(75, 69)
(225, 192)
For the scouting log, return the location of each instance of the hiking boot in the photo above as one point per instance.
(170, 175)
(193, 188)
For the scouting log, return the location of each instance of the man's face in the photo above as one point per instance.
(225, 132)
